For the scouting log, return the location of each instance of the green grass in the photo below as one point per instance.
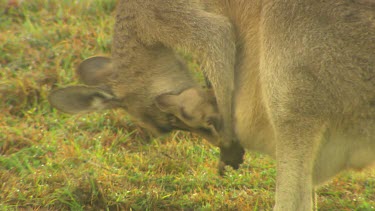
(49, 160)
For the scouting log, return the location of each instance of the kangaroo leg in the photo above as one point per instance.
(297, 143)
(315, 200)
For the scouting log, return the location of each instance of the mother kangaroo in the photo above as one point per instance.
(305, 88)
(293, 78)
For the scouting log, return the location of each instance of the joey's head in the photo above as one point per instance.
(196, 109)
(162, 103)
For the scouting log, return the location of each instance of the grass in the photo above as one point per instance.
(49, 160)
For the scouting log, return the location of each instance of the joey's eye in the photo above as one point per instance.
(210, 121)
(213, 121)
(171, 119)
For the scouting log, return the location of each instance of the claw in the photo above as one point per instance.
(230, 156)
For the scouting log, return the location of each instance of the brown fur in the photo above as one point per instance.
(141, 95)
(305, 89)
(143, 25)
(304, 77)
(162, 98)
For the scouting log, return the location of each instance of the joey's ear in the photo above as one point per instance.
(81, 99)
(95, 71)
(168, 103)
(172, 103)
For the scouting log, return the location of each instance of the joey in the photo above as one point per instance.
(174, 102)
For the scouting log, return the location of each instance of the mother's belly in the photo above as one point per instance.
(253, 128)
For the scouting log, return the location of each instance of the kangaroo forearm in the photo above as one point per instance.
(208, 36)
(185, 25)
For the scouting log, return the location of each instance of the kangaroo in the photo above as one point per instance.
(185, 25)
(151, 97)
(297, 77)
(304, 88)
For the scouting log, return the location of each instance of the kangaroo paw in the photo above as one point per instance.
(232, 155)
